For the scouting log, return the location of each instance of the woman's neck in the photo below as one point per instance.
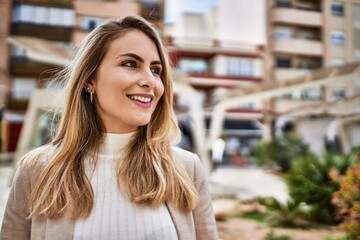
(114, 142)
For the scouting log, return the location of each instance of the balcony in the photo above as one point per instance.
(106, 9)
(207, 80)
(49, 3)
(298, 46)
(53, 33)
(296, 16)
(282, 74)
(22, 67)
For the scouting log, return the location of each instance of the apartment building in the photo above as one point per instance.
(205, 45)
(304, 36)
(305, 40)
(90, 13)
(5, 7)
(28, 24)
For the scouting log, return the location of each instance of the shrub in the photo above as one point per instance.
(281, 150)
(347, 199)
(289, 214)
(310, 181)
(338, 238)
(272, 236)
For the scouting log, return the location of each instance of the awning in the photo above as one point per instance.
(41, 50)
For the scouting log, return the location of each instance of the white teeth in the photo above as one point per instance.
(141, 99)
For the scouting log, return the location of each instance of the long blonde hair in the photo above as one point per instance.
(148, 173)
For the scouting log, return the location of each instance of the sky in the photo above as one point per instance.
(174, 7)
(234, 17)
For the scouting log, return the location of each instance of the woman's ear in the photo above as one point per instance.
(90, 86)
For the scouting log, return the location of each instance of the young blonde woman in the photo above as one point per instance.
(111, 172)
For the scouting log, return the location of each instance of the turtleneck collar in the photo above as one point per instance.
(114, 142)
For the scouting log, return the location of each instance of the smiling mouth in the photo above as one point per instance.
(140, 98)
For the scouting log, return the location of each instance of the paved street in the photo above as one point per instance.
(227, 184)
(240, 183)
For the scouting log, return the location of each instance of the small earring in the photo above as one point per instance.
(91, 94)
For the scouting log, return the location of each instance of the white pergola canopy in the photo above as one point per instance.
(272, 89)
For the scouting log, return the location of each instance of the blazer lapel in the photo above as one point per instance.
(183, 222)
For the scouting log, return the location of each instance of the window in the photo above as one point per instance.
(283, 62)
(337, 9)
(314, 94)
(308, 5)
(43, 15)
(338, 37)
(306, 65)
(283, 33)
(338, 93)
(240, 67)
(90, 23)
(23, 88)
(193, 65)
(283, 3)
(17, 52)
(308, 34)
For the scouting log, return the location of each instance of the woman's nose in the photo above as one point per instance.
(148, 79)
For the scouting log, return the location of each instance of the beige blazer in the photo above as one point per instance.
(197, 224)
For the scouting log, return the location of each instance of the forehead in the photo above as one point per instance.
(134, 41)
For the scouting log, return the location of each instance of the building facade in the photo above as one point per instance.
(205, 45)
(223, 53)
(305, 36)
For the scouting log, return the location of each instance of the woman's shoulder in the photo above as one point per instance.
(190, 161)
(37, 158)
(184, 155)
(30, 166)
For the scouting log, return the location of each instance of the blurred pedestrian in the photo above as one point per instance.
(111, 172)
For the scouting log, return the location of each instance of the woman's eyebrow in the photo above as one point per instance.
(133, 55)
(137, 57)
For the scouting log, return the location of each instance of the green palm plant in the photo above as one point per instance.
(310, 182)
(281, 151)
(289, 214)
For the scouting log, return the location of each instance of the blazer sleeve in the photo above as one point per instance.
(204, 218)
(16, 224)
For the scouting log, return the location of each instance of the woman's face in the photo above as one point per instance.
(128, 85)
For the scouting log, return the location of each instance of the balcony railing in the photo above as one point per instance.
(300, 6)
(54, 33)
(23, 67)
(282, 74)
(296, 16)
(298, 46)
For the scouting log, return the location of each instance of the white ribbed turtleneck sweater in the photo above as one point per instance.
(113, 216)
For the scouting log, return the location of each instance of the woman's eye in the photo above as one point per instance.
(131, 64)
(156, 70)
